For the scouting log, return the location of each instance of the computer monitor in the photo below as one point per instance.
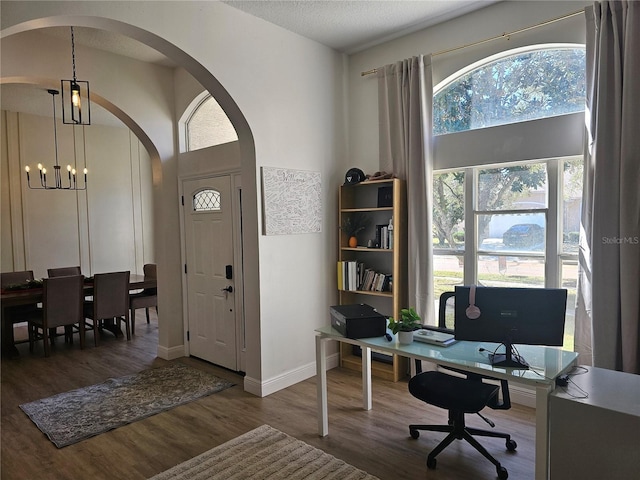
(530, 316)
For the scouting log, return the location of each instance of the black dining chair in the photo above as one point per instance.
(110, 302)
(146, 299)
(460, 393)
(18, 313)
(63, 271)
(62, 300)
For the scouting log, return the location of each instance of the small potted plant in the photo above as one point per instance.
(404, 327)
(352, 225)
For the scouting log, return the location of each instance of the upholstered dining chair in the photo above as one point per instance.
(110, 301)
(62, 300)
(63, 271)
(459, 396)
(146, 299)
(17, 313)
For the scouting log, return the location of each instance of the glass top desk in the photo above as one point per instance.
(546, 364)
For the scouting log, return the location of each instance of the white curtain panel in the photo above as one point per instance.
(608, 310)
(405, 99)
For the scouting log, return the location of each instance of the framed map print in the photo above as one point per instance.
(291, 201)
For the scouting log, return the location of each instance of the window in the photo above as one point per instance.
(209, 126)
(514, 216)
(510, 222)
(206, 200)
(523, 86)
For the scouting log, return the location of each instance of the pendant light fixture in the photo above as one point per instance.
(76, 106)
(72, 183)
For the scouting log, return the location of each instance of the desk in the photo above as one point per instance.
(547, 363)
(11, 298)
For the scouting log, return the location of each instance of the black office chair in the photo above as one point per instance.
(460, 396)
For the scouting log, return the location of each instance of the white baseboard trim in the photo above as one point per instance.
(272, 385)
(171, 353)
(522, 395)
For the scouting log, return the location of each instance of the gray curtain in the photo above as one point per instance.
(608, 310)
(405, 100)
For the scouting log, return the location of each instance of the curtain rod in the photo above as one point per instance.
(497, 37)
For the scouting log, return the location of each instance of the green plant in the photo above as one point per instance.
(354, 223)
(408, 322)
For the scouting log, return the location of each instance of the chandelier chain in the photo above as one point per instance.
(73, 55)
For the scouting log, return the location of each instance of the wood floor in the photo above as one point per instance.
(377, 441)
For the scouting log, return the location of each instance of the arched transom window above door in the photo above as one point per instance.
(206, 201)
(208, 126)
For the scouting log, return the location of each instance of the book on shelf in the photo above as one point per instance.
(353, 275)
(384, 236)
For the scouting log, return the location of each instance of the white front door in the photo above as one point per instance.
(210, 273)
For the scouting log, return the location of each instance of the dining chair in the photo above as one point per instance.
(15, 314)
(146, 299)
(110, 302)
(15, 278)
(62, 300)
(63, 271)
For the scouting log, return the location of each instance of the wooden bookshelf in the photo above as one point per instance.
(362, 199)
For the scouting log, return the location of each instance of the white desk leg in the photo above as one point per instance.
(542, 432)
(321, 385)
(366, 378)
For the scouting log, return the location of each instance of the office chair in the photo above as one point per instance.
(460, 396)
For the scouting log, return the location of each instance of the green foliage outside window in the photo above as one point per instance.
(525, 86)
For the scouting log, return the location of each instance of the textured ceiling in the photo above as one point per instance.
(351, 26)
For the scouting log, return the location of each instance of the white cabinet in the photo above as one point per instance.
(597, 437)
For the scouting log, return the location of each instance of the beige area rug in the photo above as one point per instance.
(261, 454)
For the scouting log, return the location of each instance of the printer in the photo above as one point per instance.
(358, 321)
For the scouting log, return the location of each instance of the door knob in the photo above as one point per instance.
(228, 289)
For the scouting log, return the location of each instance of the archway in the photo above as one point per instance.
(163, 151)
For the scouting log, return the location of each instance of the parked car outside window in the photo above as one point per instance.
(524, 235)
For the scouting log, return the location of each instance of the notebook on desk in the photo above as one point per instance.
(434, 337)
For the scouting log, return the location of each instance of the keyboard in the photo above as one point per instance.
(434, 337)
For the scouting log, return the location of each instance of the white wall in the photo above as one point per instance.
(284, 94)
(105, 228)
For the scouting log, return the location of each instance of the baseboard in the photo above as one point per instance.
(522, 395)
(275, 384)
(171, 353)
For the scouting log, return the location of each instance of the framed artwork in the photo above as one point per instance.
(291, 201)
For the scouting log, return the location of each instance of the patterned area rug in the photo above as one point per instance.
(264, 453)
(73, 416)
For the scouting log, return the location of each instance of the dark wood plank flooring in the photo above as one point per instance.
(376, 441)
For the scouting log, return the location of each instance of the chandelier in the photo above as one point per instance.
(75, 93)
(72, 183)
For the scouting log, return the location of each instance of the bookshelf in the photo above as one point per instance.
(376, 202)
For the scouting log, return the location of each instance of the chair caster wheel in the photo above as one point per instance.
(511, 445)
(431, 463)
(502, 473)
(414, 433)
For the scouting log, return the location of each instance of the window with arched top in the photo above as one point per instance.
(506, 200)
(206, 200)
(208, 125)
(527, 85)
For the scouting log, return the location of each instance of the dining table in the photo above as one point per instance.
(33, 295)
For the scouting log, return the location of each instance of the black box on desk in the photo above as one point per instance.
(358, 321)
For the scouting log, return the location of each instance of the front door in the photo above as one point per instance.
(208, 219)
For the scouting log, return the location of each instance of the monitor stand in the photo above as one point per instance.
(509, 359)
